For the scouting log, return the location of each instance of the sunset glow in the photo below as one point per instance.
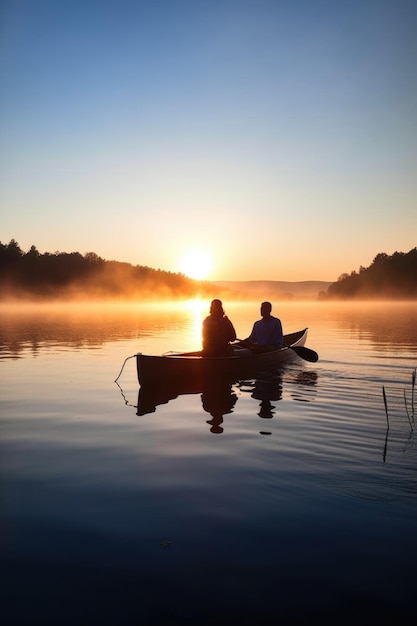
(270, 136)
(196, 264)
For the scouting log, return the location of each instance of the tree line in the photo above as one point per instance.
(388, 277)
(69, 275)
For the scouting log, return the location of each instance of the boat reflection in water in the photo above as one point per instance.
(218, 399)
(218, 395)
(267, 388)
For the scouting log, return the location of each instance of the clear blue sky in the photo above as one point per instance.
(278, 135)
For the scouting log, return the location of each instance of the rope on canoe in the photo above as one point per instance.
(125, 361)
(124, 397)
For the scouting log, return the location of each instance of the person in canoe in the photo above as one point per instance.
(218, 331)
(266, 333)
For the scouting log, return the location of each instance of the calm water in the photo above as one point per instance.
(293, 503)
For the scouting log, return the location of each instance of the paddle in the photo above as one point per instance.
(304, 353)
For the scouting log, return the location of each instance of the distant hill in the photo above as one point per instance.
(276, 289)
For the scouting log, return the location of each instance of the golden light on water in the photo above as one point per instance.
(199, 309)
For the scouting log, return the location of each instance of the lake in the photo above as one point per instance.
(295, 504)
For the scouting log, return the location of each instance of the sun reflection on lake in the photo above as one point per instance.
(199, 310)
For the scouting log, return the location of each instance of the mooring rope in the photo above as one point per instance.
(124, 397)
(129, 357)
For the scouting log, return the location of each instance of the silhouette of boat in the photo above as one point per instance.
(194, 368)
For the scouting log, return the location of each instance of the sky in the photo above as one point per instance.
(278, 136)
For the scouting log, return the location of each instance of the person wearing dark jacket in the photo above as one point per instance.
(218, 331)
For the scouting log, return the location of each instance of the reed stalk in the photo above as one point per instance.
(386, 405)
(406, 409)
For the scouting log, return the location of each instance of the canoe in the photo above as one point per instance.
(193, 366)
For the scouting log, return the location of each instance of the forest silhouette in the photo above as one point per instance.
(388, 277)
(61, 275)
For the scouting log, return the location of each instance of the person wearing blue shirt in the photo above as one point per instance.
(266, 333)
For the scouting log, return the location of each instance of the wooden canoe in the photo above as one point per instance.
(192, 366)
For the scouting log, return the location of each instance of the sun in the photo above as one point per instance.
(196, 264)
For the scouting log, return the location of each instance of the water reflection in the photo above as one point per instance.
(33, 328)
(374, 321)
(305, 386)
(149, 398)
(267, 388)
(218, 399)
(219, 394)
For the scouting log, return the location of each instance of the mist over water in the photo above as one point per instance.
(297, 504)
